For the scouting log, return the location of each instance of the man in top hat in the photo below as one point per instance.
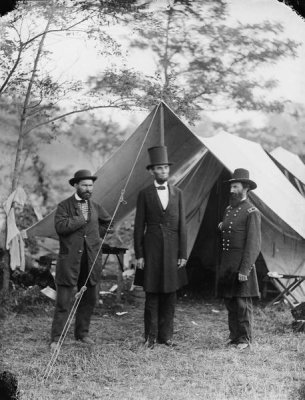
(160, 248)
(80, 224)
(241, 244)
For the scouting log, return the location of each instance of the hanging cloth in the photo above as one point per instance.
(14, 241)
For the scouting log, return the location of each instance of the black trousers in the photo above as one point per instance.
(240, 318)
(159, 314)
(64, 300)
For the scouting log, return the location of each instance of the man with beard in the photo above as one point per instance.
(80, 224)
(160, 248)
(241, 243)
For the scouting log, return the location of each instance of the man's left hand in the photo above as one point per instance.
(181, 262)
(242, 278)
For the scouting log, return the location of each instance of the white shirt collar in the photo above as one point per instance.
(77, 197)
(162, 184)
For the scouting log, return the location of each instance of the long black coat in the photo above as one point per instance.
(160, 237)
(241, 244)
(74, 232)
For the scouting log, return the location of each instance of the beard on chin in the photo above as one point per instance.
(160, 181)
(235, 199)
(84, 195)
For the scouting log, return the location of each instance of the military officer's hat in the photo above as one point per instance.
(158, 156)
(242, 175)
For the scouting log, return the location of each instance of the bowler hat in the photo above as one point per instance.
(158, 156)
(81, 175)
(242, 175)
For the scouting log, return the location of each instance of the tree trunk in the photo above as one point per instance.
(25, 108)
(23, 117)
(5, 263)
(166, 53)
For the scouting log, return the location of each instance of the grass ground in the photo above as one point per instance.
(120, 367)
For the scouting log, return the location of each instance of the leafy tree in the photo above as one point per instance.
(96, 138)
(203, 62)
(29, 94)
(28, 88)
(285, 129)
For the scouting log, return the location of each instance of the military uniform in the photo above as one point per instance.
(241, 243)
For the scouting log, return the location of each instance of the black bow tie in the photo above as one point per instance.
(82, 201)
(160, 187)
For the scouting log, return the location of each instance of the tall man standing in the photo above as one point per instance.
(80, 223)
(241, 243)
(160, 248)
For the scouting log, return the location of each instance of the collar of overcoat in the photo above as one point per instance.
(155, 197)
(73, 200)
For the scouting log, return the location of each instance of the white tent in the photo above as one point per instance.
(281, 205)
(198, 165)
(292, 166)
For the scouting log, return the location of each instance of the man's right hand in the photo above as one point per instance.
(140, 263)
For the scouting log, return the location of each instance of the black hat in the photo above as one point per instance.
(242, 175)
(158, 156)
(81, 175)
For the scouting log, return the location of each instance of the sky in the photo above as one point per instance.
(78, 59)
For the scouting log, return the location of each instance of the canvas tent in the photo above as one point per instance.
(184, 149)
(199, 167)
(292, 166)
(281, 205)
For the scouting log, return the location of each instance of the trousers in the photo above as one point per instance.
(159, 314)
(240, 319)
(64, 297)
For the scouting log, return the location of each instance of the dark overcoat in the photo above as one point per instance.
(241, 244)
(74, 232)
(160, 237)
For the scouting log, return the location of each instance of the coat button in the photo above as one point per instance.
(85, 236)
(80, 251)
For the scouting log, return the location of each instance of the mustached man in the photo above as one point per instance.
(80, 224)
(241, 244)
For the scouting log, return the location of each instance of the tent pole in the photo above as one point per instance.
(161, 125)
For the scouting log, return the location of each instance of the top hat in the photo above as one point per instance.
(81, 175)
(158, 156)
(242, 175)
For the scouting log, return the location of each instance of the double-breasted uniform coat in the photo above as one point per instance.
(74, 234)
(241, 243)
(160, 238)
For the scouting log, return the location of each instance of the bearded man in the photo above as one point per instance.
(241, 243)
(160, 248)
(80, 224)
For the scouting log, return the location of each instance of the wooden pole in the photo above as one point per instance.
(161, 125)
